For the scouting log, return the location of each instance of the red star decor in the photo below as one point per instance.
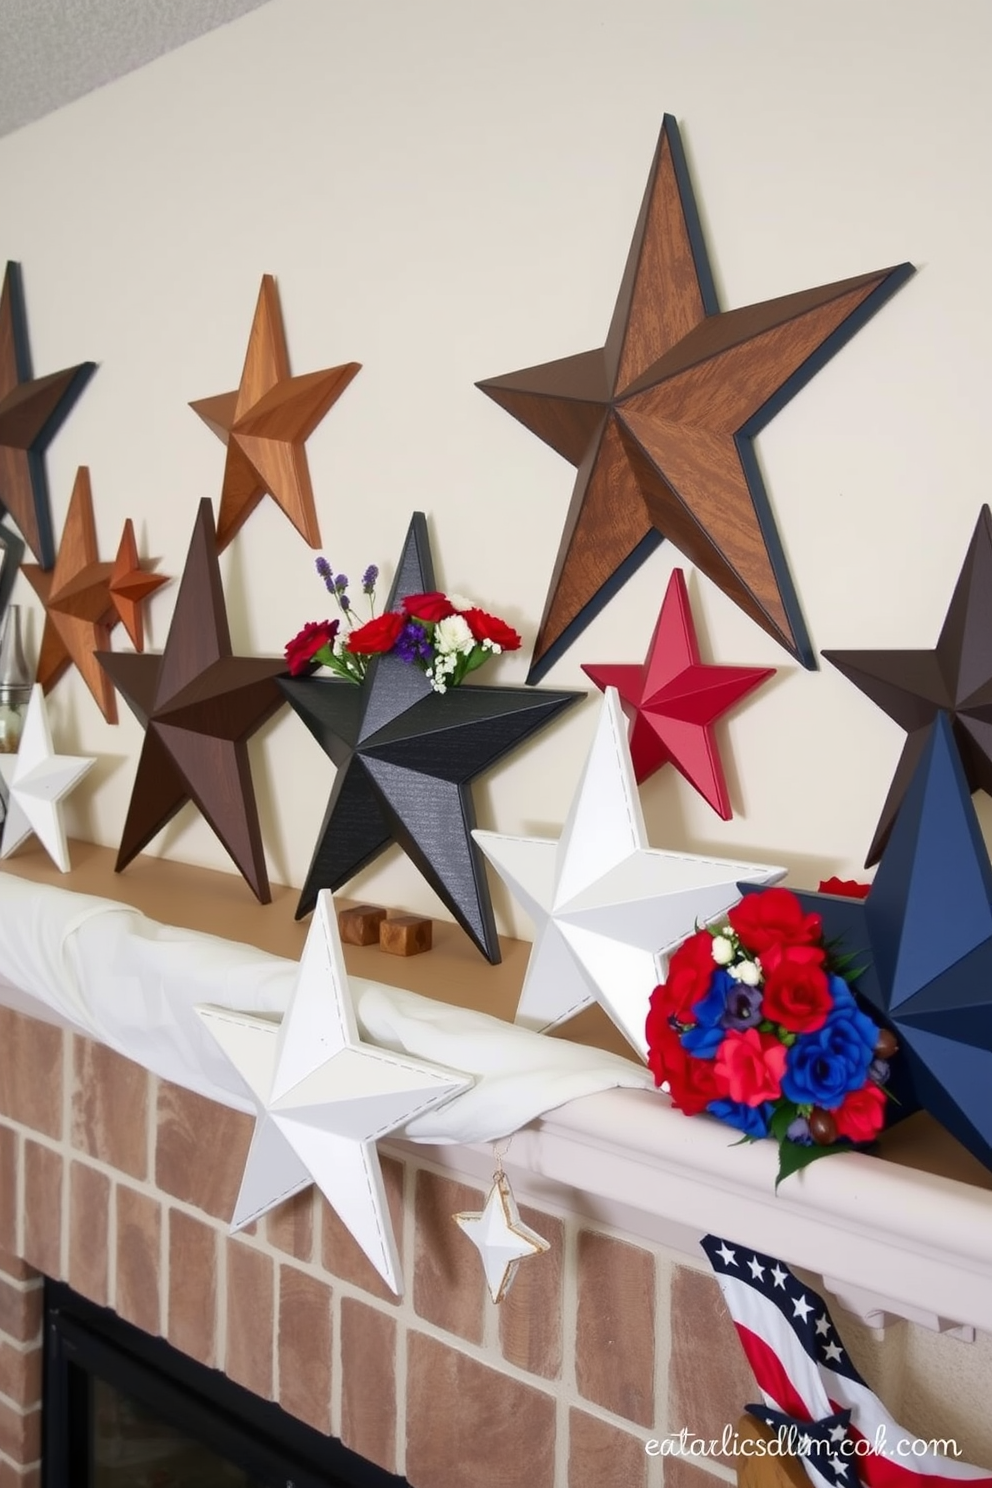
(32, 410)
(265, 424)
(84, 599)
(660, 421)
(199, 706)
(674, 699)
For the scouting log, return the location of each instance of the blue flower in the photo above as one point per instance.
(823, 1066)
(743, 1008)
(708, 1034)
(751, 1120)
(412, 643)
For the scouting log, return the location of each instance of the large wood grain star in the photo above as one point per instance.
(84, 599)
(673, 700)
(406, 758)
(660, 421)
(32, 410)
(912, 687)
(199, 706)
(265, 424)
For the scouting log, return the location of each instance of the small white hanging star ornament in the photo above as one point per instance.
(500, 1236)
(607, 908)
(323, 1097)
(37, 781)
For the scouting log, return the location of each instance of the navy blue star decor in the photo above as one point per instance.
(660, 421)
(406, 758)
(32, 410)
(925, 932)
(912, 686)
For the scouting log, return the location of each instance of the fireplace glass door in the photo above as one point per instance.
(124, 1410)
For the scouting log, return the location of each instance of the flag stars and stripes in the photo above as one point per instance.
(778, 1276)
(834, 1353)
(800, 1307)
(757, 1269)
(823, 1325)
(727, 1256)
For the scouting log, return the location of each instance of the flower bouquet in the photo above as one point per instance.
(757, 1025)
(446, 636)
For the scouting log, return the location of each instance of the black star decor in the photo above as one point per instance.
(406, 758)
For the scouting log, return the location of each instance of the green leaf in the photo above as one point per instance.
(783, 1116)
(792, 1156)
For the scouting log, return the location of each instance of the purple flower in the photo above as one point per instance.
(743, 1007)
(798, 1131)
(369, 578)
(412, 643)
(879, 1071)
(341, 583)
(324, 569)
(344, 602)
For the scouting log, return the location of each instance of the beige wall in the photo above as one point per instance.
(447, 191)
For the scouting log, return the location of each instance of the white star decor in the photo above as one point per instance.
(501, 1237)
(606, 907)
(37, 781)
(323, 1098)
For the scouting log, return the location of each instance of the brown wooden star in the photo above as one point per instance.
(660, 421)
(32, 410)
(83, 600)
(266, 423)
(199, 705)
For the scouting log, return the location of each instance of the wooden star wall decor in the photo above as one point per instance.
(673, 700)
(265, 424)
(84, 599)
(32, 410)
(913, 687)
(199, 706)
(660, 421)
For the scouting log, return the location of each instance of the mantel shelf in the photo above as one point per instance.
(907, 1234)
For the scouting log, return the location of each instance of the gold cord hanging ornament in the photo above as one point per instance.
(498, 1233)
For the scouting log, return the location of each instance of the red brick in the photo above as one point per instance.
(340, 1253)
(19, 1477)
(12, 1265)
(110, 1108)
(20, 1374)
(20, 1434)
(599, 1453)
(614, 1346)
(89, 1232)
(192, 1323)
(290, 1226)
(250, 1302)
(20, 1310)
(206, 1174)
(709, 1378)
(43, 1208)
(139, 1250)
(8, 1189)
(31, 1072)
(471, 1427)
(305, 1348)
(530, 1313)
(368, 1382)
(449, 1286)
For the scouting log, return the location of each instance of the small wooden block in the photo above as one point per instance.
(360, 926)
(406, 935)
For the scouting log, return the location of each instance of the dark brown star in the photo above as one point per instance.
(83, 600)
(32, 410)
(265, 424)
(660, 421)
(199, 706)
(912, 687)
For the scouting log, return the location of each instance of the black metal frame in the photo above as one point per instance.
(82, 1341)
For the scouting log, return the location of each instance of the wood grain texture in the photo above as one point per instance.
(660, 422)
(766, 1471)
(406, 935)
(84, 599)
(265, 424)
(359, 925)
(32, 409)
(199, 705)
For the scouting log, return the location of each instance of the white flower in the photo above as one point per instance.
(723, 950)
(459, 602)
(748, 972)
(453, 635)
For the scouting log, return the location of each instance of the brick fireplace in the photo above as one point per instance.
(120, 1184)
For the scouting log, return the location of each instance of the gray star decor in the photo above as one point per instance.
(406, 758)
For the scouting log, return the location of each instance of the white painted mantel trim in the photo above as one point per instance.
(889, 1241)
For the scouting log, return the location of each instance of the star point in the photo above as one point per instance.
(660, 421)
(265, 424)
(501, 1237)
(38, 781)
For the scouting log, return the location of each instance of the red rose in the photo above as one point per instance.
(845, 888)
(431, 607)
(491, 628)
(773, 917)
(796, 992)
(749, 1067)
(689, 972)
(691, 1081)
(378, 634)
(302, 649)
(861, 1116)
